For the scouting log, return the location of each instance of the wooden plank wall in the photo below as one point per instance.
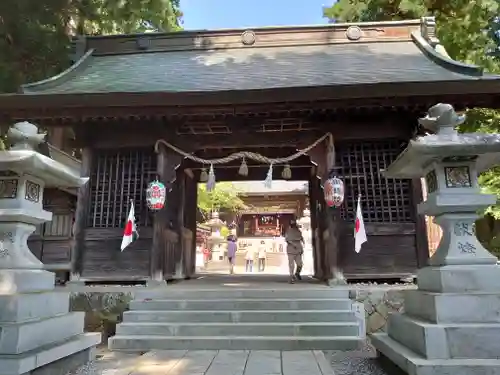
(389, 252)
(388, 211)
(51, 242)
(104, 260)
(118, 176)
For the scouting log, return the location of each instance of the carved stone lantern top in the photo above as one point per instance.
(22, 158)
(444, 146)
(24, 174)
(215, 222)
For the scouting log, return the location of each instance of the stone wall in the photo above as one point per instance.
(104, 306)
(103, 309)
(378, 303)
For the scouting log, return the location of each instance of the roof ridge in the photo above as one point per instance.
(238, 30)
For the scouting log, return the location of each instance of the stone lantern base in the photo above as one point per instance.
(451, 324)
(38, 334)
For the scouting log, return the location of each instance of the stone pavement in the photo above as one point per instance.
(216, 362)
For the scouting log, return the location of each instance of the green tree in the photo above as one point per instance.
(35, 36)
(224, 197)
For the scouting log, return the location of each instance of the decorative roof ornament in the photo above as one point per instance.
(248, 37)
(353, 33)
(428, 30)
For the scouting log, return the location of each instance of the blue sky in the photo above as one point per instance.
(222, 14)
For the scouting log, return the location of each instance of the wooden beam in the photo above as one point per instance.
(246, 140)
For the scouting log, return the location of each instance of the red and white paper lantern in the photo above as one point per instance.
(155, 195)
(334, 192)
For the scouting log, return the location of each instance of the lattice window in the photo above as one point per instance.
(383, 200)
(119, 176)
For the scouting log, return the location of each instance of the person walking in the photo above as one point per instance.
(249, 257)
(206, 256)
(262, 256)
(231, 252)
(294, 251)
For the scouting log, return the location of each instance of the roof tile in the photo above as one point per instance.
(252, 68)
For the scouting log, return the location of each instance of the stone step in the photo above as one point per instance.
(445, 341)
(238, 329)
(413, 363)
(19, 338)
(50, 355)
(244, 316)
(146, 343)
(453, 307)
(242, 304)
(282, 293)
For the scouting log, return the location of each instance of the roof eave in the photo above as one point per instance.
(443, 61)
(35, 101)
(65, 75)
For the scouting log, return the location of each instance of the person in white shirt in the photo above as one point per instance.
(262, 256)
(249, 257)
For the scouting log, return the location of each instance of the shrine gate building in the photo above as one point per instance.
(268, 90)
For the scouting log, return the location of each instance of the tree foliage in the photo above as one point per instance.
(35, 36)
(224, 197)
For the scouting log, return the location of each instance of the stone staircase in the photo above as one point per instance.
(253, 319)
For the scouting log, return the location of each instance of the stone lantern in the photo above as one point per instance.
(36, 328)
(215, 239)
(451, 323)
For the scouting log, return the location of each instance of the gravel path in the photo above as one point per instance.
(357, 362)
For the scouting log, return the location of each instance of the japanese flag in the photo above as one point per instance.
(130, 233)
(359, 228)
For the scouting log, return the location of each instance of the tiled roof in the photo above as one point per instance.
(383, 60)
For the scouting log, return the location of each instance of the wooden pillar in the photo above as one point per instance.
(166, 164)
(421, 240)
(313, 206)
(180, 183)
(82, 209)
(191, 206)
(329, 220)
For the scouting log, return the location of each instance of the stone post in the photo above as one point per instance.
(36, 328)
(451, 323)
